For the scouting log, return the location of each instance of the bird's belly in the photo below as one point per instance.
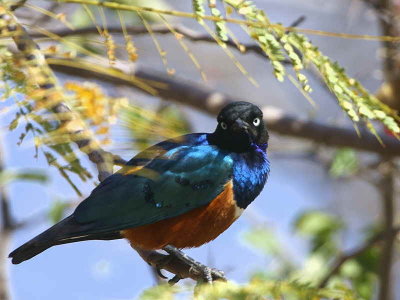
(191, 229)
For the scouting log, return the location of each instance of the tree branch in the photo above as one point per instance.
(340, 260)
(387, 188)
(4, 246)
(389, 26)
(211, 101)
(158, 29)
(17, 5)
(6, 226)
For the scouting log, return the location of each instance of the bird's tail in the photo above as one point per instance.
(27, 251)
(39, 243)
(64, 232)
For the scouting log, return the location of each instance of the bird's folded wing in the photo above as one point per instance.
(171, 184)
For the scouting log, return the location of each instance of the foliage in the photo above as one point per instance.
(352, 97)
(255, 289)
(25, 81)
(323, 231)
(95, 108)
(344, 163)
(356, 279)
(9, 175)
(147, 127)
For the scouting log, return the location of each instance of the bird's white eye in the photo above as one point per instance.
(224, 126)
(256, 121)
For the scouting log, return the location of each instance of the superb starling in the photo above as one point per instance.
(182, 192)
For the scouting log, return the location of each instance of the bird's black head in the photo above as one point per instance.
(240, 126)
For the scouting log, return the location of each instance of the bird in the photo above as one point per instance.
(182, 192)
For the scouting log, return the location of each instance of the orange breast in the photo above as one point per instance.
(191, 229)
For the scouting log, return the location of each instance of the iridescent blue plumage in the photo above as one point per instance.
(250, 172)
(250, 169)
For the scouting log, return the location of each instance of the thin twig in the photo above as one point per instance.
(17, 5)
(43, 19)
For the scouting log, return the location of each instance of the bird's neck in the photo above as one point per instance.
(250, 172)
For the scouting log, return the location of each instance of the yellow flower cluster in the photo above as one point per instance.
(97, 109)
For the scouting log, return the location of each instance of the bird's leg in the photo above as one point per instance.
(208, 274)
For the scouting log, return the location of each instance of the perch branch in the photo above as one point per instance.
(211, 101)
(177, 266)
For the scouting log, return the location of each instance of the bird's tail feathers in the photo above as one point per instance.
(64, 232)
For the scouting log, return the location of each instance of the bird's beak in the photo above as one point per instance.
(240, 126)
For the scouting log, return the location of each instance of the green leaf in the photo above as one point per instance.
(351, 269)
(35, 175)
(263, 240)
(14, 122)
(344, 163)
(316, 222)
(198, 8)
(322, 229)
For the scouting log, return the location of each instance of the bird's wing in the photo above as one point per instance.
(173, 183)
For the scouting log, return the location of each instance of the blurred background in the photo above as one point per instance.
(322, 202)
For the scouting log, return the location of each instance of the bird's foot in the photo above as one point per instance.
(166, 259)
(207, 274)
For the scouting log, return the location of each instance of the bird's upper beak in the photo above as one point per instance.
(240, 126)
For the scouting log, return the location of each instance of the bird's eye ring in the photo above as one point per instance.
(256, 121)
(224, 126)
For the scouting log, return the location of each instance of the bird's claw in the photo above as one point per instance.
(159, 273)
(208, 274)
(174, 279)
(160, 264)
